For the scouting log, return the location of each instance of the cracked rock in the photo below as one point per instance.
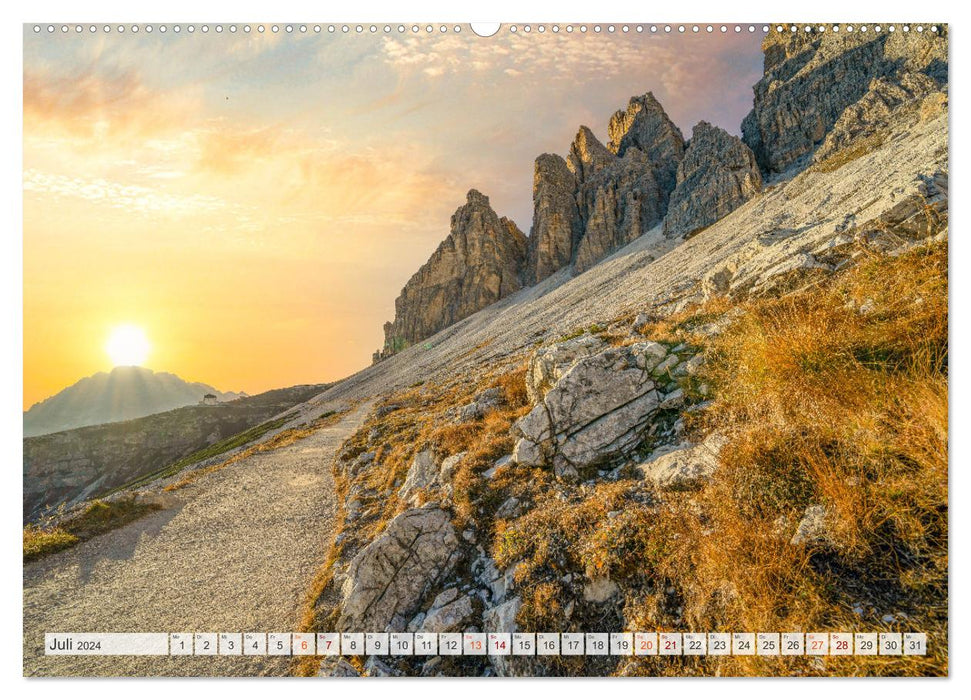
(387, 580)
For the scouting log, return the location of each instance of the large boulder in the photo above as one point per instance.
(387, 580)
(480, 262)
(716, 176)
(549, 363)
(596, 411)
(556, 219)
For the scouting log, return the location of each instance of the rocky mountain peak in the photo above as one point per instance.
(587, 155)
(646, 126)
(556, 219)
(717, 174)
(476, 198)
(481, 261)
(811, 78)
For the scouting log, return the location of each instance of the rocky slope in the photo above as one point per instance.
(554, 463)
(480, 262)
(69, 466)
(121, 394)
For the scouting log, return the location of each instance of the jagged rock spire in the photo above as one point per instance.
(481, 261)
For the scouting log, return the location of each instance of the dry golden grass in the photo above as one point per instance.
(838, 397)
(834, 395)
(39, 542)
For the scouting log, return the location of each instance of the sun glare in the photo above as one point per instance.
(127, 345)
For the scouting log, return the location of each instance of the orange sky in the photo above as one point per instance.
(256, 203)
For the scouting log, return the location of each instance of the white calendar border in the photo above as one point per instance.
(514, 10)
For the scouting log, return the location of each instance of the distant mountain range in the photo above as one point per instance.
(121, 394)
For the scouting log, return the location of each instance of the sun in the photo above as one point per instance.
(127, 346)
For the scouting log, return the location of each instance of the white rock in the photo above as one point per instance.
(548, 364)
(597, 410)
(685, 467)
(421, 474)
(388, 578)
(600, 589)
(813, 526)
(450, 617)
(672, 399)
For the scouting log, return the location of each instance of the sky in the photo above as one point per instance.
(255, 202)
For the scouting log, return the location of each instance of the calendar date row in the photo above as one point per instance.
(489, 644)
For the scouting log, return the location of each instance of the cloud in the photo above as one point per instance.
(130, 198)
(98, 104)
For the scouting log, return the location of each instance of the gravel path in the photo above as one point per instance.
(236, 556)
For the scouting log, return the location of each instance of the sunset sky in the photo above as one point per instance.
(256, 202)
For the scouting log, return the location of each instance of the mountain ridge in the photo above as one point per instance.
(123, 393)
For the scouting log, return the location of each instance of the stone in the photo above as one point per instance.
(672, 399)
(387, 409)
(498, 583)
(813, 527)
(485, 401)
(685, 467)
(480, 262)
(448, 617)
(422, 473)
(509, 509)
(549, 363)
(600, 589)
(595, 412)
(449, 465)
(375, 667)
(556, 219)
(386, 581)
(502, 618)
(667, 365)
(717, 175)
(811, 78)
(432, 666)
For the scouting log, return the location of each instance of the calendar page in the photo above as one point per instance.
(427, 349)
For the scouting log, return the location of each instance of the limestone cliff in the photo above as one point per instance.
(645, 125)
(718, 173)
(556, 219)
(480, 262)
(810, 78)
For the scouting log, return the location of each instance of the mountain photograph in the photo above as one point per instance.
(573, 350)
